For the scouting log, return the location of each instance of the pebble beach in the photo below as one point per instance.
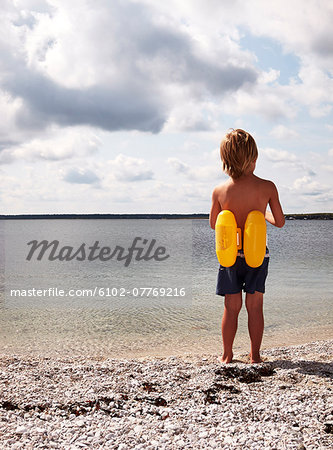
(172, 402)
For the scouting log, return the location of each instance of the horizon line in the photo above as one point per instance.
(320, 215)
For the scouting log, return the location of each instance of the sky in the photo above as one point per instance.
(120, 106)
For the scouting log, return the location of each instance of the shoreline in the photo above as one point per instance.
(169, 403)
(139, 347)
(157, 216)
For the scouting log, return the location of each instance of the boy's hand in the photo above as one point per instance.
(269, 217)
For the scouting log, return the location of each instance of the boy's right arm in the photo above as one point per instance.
(276, 217)
(215, 209)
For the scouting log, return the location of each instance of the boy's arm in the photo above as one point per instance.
(276, 217)
(215, 209)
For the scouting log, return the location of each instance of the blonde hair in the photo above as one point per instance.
(238, 151)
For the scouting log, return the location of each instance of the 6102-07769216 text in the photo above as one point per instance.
(100, 292)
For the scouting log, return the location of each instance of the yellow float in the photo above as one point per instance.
(228, 238)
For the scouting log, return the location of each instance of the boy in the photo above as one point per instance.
(242, 193)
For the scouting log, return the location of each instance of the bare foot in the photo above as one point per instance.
(255, 359)
(226, 359)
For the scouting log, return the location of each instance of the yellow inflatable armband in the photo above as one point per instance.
(226, 234)
(255, 239)
(228, 238)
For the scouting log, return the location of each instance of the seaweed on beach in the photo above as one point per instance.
(246, 374)
(212, 391)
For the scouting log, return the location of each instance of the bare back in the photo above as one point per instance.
(243, 195)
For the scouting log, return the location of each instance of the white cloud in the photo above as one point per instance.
(76, 66)
(178, 165)
(329, 127)
(328, 168)
(307, 186)
(203, 172)
(283, 158)
(272, 102)
(80, 175)
(302, 182)
(128, 169)
(55, 145)
(279, 156)
(190, 117)
(315, 90)
(283, 132)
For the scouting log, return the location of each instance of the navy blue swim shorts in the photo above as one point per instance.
(240, 276)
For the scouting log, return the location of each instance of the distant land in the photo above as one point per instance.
(306, 216)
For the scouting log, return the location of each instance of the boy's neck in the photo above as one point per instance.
(243, 177)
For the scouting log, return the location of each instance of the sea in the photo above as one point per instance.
(123, 288)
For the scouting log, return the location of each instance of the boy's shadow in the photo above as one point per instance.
(320, 369)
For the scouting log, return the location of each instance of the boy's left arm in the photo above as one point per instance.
(215, 209)
(276, 216)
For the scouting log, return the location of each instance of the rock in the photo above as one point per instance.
(137, 429)
(21, 429)
(79, 423)
(328, 427)
(109, 436)
(203, 434)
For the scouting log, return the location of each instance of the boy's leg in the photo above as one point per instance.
(254, 306)
(232, 306)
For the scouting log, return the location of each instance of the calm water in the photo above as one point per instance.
(298, 298)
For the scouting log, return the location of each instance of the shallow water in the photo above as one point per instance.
(297, 303)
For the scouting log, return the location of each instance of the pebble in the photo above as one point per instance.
(80, 423)
(169, 403)
(21, 429)
(203, 434)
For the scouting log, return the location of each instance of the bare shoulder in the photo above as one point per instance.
(268, 185)
(219, 189)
